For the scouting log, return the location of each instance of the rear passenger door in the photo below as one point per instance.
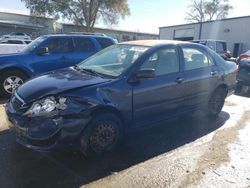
(83, 48)
(201, 76)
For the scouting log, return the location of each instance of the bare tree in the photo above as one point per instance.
(206, 10)
(196, 11)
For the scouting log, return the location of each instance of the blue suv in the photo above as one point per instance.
(47, 53)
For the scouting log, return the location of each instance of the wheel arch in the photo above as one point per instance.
(109, 109)
(25, 72)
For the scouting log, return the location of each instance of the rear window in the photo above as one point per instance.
(83, 44)
(104, 42)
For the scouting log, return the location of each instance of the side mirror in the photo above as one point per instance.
(42, 50)
(145, 73)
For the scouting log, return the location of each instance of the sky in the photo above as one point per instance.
(146, 15)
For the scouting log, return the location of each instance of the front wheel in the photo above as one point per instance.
(9, 81)
(102, 135)
(216, 102)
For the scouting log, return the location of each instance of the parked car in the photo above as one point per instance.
(15, 41)
(243, 76)
(129, 85)
(219, 46)
(47, 53)
(8, 46)
(243, 56)
(16, 35)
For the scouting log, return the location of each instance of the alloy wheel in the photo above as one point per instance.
(11, 83)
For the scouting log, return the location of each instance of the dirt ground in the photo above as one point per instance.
(196, 152)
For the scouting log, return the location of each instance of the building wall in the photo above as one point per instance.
(169, 32)
(234, 30)
(117, 34)
(49, 26)
(46, 23)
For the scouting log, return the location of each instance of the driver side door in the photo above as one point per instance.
(160, 97)
(58, 56)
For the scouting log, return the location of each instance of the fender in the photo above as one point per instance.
(18, 66)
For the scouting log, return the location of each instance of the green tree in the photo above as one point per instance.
(206, 10)
(81, 12)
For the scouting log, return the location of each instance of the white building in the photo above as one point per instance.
(235, 31)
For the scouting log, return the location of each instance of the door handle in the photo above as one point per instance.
(213, 73)
(179, 80)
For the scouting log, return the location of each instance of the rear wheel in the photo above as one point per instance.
(10, 80)
(238, 88)
(102, 135)
(216, 102)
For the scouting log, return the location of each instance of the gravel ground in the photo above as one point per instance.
(194, 152)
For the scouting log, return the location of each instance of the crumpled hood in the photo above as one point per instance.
(56, 82)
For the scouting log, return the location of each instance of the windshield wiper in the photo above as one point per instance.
(77, 67)
(92, 72)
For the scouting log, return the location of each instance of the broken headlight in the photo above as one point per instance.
(49, 106)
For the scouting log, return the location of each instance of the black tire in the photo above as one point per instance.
(238, 88)
(216, 102)
(103, 128)
(10, 74)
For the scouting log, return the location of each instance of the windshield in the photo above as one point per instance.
(114, 60)
(31, 46)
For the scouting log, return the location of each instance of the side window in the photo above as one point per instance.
(59, 45)
(20, 34)
(211, 45)
(104, 42)
(164, 61)
(83, 45)
(211, 61)
(194, 58)
(220, 47)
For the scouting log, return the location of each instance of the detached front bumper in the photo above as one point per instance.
(45, 133)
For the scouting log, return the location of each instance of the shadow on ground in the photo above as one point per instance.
(3, 101)
(21, 167)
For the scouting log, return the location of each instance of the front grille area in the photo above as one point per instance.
(18, 104)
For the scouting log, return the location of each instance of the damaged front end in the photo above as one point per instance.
(51, 122)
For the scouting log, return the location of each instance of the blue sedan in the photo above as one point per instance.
(134, 84)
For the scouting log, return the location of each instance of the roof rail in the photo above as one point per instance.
(88, 33)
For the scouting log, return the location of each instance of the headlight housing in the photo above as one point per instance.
(49, 106)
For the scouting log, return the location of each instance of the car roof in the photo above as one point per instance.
(77, 35)
(204, 40)
(151, 43)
